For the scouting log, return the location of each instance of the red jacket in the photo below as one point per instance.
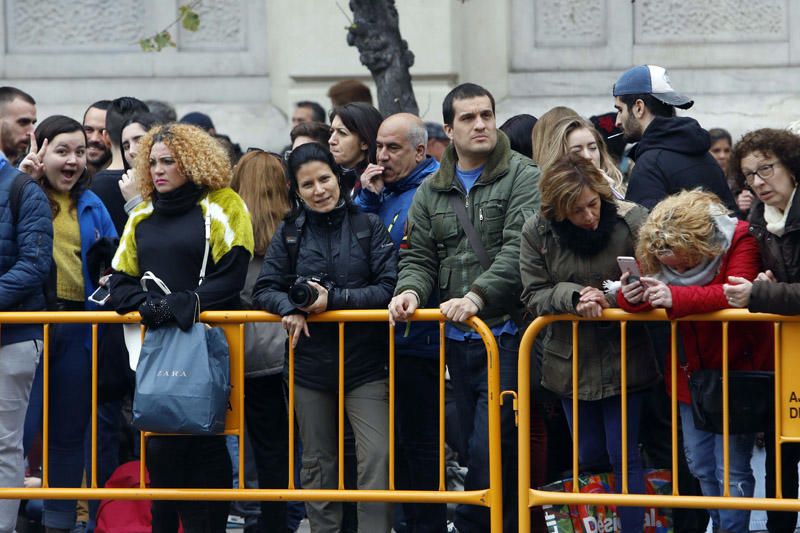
(750, 345)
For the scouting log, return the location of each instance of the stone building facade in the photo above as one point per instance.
(251, 59)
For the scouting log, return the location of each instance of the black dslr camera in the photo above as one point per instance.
(301, 294)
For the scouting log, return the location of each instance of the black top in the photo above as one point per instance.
(367, 284)
(171, 243)
(105, 184)
(673, 156)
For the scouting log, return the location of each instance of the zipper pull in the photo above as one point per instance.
(480, 214)
(466, 201)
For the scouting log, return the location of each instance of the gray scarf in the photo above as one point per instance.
(707, 270)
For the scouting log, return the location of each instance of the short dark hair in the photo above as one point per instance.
(9, 94)
(719, 134)
(653, 104)
(317, 111)
(348, 91)
(120, 110)
(102, 105)
(462, 92)
(163, 110)
(518, 129)
(48, 129)
(318, 131)
(305, 154)
(363, 120)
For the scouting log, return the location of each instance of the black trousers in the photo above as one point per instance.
(189, 462)
(782, 521)
(265, 410)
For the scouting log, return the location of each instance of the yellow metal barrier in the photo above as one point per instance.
(233, 324)
(787, 409)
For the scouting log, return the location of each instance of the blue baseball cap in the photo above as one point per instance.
(651, 79)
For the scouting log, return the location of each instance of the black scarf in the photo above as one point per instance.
(178, 200)
(585, 242)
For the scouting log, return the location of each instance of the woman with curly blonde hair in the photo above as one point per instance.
(689, 246)
(575, 134)
(183, 176)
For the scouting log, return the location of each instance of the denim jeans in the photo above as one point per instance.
(417, 439)
(600, 436)
(467, 363)
(69, 410)
(704, 456)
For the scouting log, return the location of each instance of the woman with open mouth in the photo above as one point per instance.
(57, 161)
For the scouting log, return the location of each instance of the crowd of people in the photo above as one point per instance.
(361, 211)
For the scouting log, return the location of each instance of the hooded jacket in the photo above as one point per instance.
(672, 156)
(392, 204)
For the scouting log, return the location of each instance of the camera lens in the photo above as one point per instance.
(302, 294)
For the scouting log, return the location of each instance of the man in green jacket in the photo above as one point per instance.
(499, 190)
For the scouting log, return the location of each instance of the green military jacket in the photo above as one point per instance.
(552, 277)
(438, 255)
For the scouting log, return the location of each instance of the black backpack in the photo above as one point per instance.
(293, 230)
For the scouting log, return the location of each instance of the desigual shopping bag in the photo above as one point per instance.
(182, 381)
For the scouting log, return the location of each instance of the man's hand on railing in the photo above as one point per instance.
(458, 309)
(403, 306)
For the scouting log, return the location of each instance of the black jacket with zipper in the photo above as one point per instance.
(362, 281)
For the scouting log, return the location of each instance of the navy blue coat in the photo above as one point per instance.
(26, 253)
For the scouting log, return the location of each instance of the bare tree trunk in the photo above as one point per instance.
(376, 33)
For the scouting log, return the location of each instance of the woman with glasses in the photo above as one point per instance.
(688, 247)
(769, 161)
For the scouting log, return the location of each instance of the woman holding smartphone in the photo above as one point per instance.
(567, 251)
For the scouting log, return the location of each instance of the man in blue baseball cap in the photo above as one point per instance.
(672, 152)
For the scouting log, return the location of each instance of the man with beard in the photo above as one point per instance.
(98, 151)
(672, 152)
(17, 119)
(106, 183)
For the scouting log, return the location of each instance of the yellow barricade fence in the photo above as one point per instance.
(232, 323)
(787, 419)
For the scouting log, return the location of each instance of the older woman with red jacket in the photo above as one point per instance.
(689, 245)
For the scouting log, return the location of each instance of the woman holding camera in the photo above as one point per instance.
(325, 256)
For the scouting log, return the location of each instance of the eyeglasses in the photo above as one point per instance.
(764, 172)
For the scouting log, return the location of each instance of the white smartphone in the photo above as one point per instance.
(628, 264)
(100, 296)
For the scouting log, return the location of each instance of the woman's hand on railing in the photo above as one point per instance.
(737, 291)
(294, 325)
(591, 303)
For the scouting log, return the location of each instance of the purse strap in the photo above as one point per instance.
(472, 235)
(208, 240)
(149, 276)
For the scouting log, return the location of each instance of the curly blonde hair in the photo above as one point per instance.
(199, 157)
(681, 224)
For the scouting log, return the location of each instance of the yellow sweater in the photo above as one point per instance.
(67, 250)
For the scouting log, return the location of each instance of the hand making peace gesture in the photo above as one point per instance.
(33, 163)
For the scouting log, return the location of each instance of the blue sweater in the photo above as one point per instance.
(392, 206)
